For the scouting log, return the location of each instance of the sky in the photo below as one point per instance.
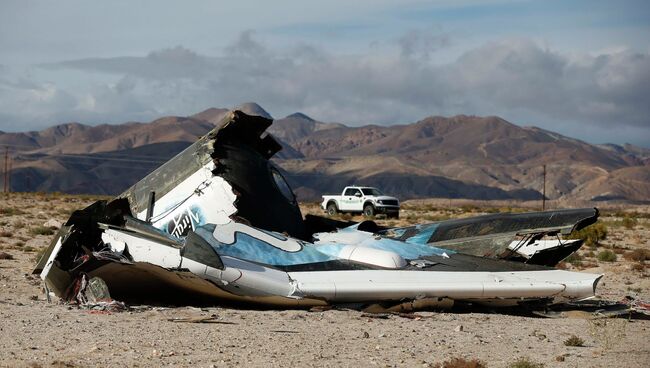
(580, 68)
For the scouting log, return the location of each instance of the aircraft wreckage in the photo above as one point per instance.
(219, 222)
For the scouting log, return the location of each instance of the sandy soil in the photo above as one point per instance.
(36, 333)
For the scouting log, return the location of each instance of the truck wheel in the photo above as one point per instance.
(331, 209)
(369, 210)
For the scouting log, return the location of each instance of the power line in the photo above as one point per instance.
(99, 156)
(544, 189)
(103, 158)
(5, 171)
(9, 174)
(88, 165)
(109, 154)
(138, 165)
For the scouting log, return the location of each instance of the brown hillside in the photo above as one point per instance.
(459, 156)
(212, 115)
(77, 138)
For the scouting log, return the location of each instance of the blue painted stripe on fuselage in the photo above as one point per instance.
(249, 248)
(424, 234)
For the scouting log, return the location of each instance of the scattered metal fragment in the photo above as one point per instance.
(201, 319)
(377, 315)
(286, 331)
(637, 305)
(596, 309)
(510, 236)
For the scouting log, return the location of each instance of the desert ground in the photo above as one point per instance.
(38, 333)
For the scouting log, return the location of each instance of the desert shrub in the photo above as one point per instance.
(10, 211)
(468, 208)
(629, 222)
(638, 267)
(588, 265)
(638, 255)
(525, 363)
(41, 230)
(633, 214)
(432, 208)
(606, 256)
(608, 332)
(575, 259)
(6, 234)
(39, 254)
(92, 197)
(345, 217)
(434, 218)
(461, 363)
(4, 255)
(411, 217)
(574, 341)
(64, 211)
(505, 210)
(592, 234)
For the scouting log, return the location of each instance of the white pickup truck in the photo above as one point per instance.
(368, 200)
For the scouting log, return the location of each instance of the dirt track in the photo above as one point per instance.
(34, 332)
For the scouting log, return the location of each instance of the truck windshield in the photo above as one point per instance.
(371, 191)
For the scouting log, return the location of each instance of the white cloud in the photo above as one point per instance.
(421, 43)
(515, 77)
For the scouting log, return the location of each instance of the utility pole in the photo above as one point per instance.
(6, 166)
(11, 162)
(544, 189)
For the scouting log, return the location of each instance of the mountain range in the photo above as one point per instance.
(451, 157)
